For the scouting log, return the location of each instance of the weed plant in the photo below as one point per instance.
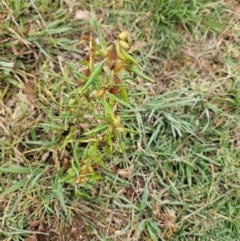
(88, 150)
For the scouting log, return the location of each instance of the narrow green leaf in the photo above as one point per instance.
(208, 159)
(13, 188)
(155, 227)
(99, 32)
(141, 226)
(6, 64)
(151, 233)
(78, 193)
(14, 82)
(189, 175)
(96, 130)
(140, 74)
(108, 111)
(36, 179)
(57, 30)
(15, 169)
(123, 94)
(144, 201)
(121, 102)
(54, 24)
(69, 177)
(129, 205)
(79, 75)
(130, 59)
(60, 196)
(108, 138)
(131, 131)
(96, 71)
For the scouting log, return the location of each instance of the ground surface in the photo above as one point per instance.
(177, 178)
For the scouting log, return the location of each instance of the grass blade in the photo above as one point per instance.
(140, 74)
(92, 76)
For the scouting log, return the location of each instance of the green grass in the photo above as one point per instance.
(177, 179)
